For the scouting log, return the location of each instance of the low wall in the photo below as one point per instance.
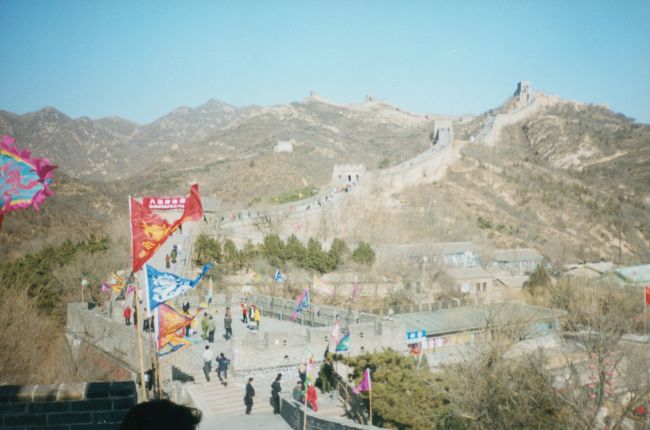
(66, 406)
(294, 414)
(117, 340)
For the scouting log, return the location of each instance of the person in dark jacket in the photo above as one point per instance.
(276, 388)
(248, 398)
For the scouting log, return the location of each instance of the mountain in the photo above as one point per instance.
(111, 148)
(557, 175)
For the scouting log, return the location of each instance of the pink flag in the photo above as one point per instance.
(336, 332)
(365, 384)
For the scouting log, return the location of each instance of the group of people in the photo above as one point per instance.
(223, 363)
(250, 314)
(208, 326)
(172, 256)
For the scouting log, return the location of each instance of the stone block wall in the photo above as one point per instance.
(100, 405)
(294, 414)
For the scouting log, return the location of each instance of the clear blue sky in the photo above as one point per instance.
(140, 59)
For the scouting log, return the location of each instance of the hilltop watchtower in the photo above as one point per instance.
(524, 92)
(442, 132)
(348, 174)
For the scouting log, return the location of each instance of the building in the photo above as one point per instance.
(588, 270)
(524, 92)
(631, 276)
(446, 334)
(473, 282)
(455, 254)
(284, 146)
(515, 261)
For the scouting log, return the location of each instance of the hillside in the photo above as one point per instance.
(553, 180)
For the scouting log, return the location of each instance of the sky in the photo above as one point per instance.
(141, 59)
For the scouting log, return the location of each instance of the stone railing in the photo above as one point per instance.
(77, 405)
(294, 414)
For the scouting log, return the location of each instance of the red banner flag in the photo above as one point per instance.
(149, 231)
(647, 295)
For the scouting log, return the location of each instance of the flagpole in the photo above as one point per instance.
(370, 399)
(138, 334)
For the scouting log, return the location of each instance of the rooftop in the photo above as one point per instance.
(634, 273)
(469, 318)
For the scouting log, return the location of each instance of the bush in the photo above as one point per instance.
(363, 254)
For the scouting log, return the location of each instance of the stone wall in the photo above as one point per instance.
(100, 405)
(294, 414)
(95, 328)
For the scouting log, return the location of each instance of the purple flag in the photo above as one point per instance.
(365, 384)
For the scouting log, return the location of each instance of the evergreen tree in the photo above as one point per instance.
(363, 254)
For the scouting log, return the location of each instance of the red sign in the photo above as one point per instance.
(163, 203)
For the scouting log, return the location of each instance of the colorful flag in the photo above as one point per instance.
(278, 277)
(301, 304)
(149, 231)
(170, 328)
(163, 286)
(365, 384)
(336, 331)
(647, 295)
(117, 283)
(25, 181)
(343, 345)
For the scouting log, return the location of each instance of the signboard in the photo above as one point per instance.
(163, 203)
(416, 335)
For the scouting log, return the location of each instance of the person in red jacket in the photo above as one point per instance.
(312, 397)
(127, 314)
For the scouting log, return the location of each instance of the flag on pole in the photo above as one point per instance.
(364, 385)
(336, 331)
(149, 231)
(301, 304)
(163, 286)
(343, 345)
(278, 277)
(647, 295)
(170, 326)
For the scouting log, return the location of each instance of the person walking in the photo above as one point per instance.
(224, 363)
(302, 371)
(251, 312)
(244, 313)
(258, 317)
(276, 388)
(167, 260)
(204, 326)
(186, 306)
(207, 362)
(248, 398)
(211, 329)
(227, 324)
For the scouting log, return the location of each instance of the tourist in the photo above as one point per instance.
(167, 260)
(204, 326)
(211, 329)
(250, 393)
(161, 414)
(302, 372)
(276, 388)
(207, 362)
(258, 317)
(186, 306)
(227, 324)
(312, 397)
(244, 313)
(224, 363)
(127, 314)
(297, 393)
(251, 313)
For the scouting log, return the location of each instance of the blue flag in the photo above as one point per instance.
(278, 277)
(343, 345)
(163, 286)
